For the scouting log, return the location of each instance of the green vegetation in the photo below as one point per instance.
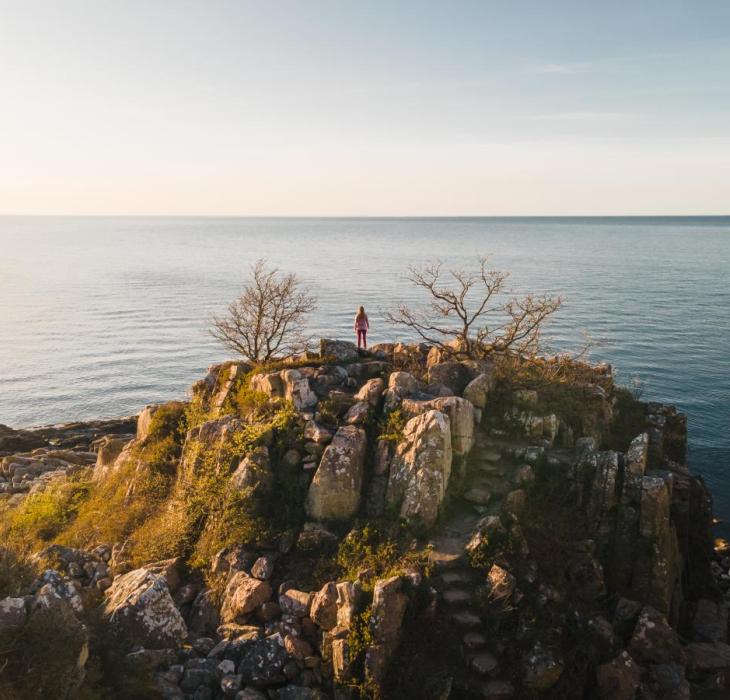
(329, 412)
(394, 425)
(163, 503)
(376, 551)
(42, 516)
(570, 388)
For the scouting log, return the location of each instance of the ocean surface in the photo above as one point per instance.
(99, 316)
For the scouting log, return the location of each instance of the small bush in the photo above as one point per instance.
(380, 551)
(394, 426)
(249, 404)
(196, 413)
(168, 421)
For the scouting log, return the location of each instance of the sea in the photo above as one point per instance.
(100, 316)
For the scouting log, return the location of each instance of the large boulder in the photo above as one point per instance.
(141, 610)
(388, 609)
(335, 491)
(263, 662)
(337, 350)
(268, 383)
(297, 389)
(144, 421)
(289, 384)
(542, 667)
(254, 472)
(371, 392)
(400, 386)
(478, 389)
(109, 449)
(452, 374)
(421, 467)
(323, 609)
(710, 622)
(295, 602)
(657, 573)
(707, 657)
(637, 454)
(242, 596)
(358, 413)
(654, 641)
(349, 595)
(618, 679)
(461, 419)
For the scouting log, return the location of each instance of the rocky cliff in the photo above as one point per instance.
(395, 524)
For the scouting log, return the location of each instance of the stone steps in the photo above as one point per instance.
(489, 477)
(456, 596)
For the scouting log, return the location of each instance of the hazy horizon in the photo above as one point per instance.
(379, 109)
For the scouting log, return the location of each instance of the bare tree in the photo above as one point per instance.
(473, 314)
(268, 319)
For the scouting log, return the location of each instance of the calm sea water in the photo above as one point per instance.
(99, 316)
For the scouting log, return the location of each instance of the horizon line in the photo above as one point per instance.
(367, 216)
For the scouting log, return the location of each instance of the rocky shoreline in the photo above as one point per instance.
(44, 453)
(395, 524)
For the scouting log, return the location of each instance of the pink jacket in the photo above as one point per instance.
(361, 324)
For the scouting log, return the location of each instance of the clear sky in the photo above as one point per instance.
(227, 107)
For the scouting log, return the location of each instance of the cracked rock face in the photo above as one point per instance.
(461, 419)
(335, 491)
(421, 467)
(139, 607)
(263, 662)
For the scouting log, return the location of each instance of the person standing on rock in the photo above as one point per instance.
(362, 326)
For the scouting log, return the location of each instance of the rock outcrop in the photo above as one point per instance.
(461, 419)
(141, 610)
(288, 384)
(336, 488)
(559, 567)
(421, 467)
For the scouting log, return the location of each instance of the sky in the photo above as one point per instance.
(330, 108)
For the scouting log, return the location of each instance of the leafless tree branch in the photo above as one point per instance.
(472, 299)
(268, 319)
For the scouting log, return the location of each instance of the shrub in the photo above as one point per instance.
(329, 412)
(381, 551)
(168, 421)
(248, 403)
(394, 425)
